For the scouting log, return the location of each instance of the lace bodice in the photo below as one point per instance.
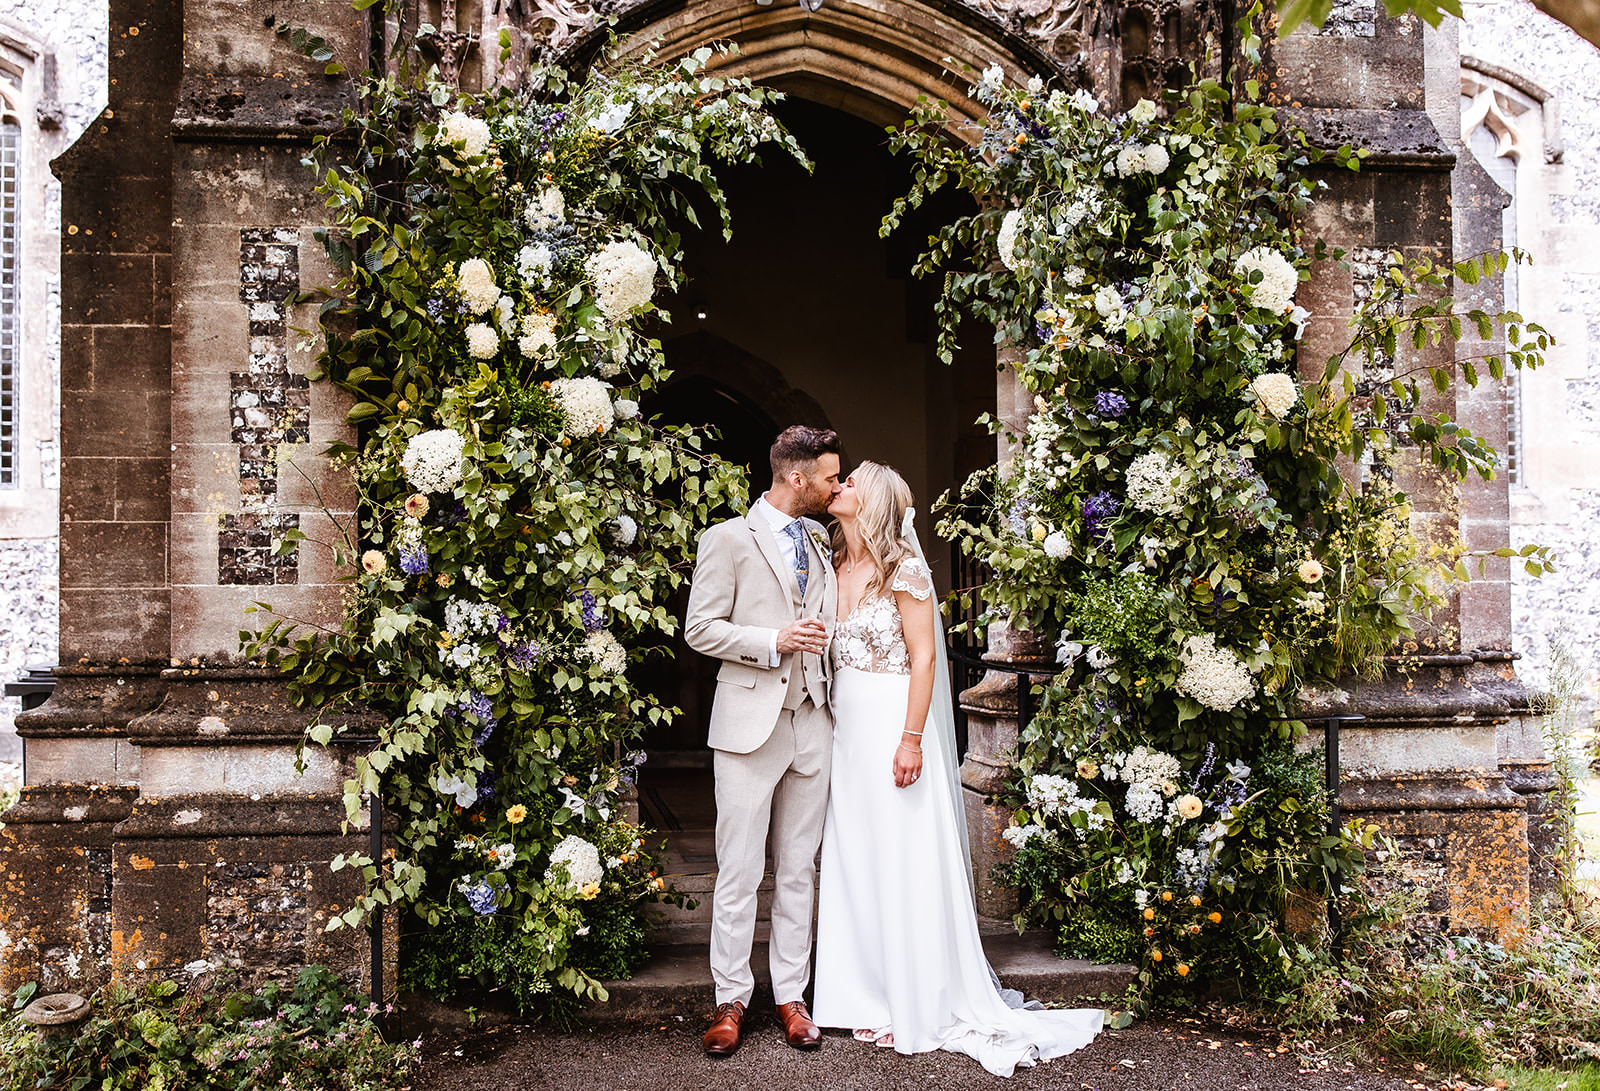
(873, 637)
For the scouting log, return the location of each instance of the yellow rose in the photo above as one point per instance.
(516, 813)
(1039, 533)
(1189, 806)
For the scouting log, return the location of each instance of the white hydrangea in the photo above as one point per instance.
(1154, 484)
(546, 209)
(1279, 280)
(505, 316)
(1147, 766)
(504, 856)
(476, 281)
(432, 460)
(1156, 158)
(482, 341)
(624, 276)
(1019, 836)
(606, 652)
(626, 408)
(582, 860)
(1144, 803)
(613, 117)
(534, 262)
(1057, 546)
(1050, 794)
(465, 618)
(586, 404)
(1107, 301)
(1276, 392)
(470, 134)
(1130, 161)
(1143, 112)
(538, 334)
(1214, 676)
(1006, 240)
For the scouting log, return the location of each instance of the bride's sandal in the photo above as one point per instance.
(884, 1041)
(865, 1036)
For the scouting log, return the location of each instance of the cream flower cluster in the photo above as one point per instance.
(1146, 159)
(482, 341)
(470, 134)
(624, 276)
(1214, 676)
(534, 262)
(1153, 483)
(1107, 301)
(1275, 292)
(586, 404)
(606, 652)
(1006, 240)
(1019, 836)
(475, 280)
(582, 860)
(538, 334)
(432, 460)
(1276, 392)
(547, 210)
(1144, 765)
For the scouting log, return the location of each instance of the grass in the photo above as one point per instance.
(1585, 1077)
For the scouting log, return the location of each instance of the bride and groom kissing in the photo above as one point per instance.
(833, 724)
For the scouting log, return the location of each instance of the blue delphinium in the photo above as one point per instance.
(526, 655)
(414, 560)
(594, 619)
(1097, 509)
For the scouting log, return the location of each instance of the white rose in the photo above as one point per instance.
(1107, 301)
(994, 77)
(1275, 290)
(1130, 160)
(1143, 112)
(1156, 158)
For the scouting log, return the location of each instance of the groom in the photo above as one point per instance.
(760, 585)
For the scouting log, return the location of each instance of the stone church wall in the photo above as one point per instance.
(60, 91)
(1555, 149)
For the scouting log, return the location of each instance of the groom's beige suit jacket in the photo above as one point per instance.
(744, 590)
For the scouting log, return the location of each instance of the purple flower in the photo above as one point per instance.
(1017, 517)
(1097, 509)
(1041, 332)
(414, 560)
(434, 307)
(526, 655)
(594, 619)
(481, 897)
(1208, 764)
(480, 708)
(1109, 405)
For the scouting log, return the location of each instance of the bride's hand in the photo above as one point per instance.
(907, 766)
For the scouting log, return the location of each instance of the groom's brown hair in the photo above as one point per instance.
(801, 443)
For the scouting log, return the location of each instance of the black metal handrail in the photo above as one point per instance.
(975, 666)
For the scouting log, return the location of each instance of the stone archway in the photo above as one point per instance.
(872, 60)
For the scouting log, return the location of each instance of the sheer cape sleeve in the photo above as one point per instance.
(913, 578)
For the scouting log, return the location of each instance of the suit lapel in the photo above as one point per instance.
(781, 560)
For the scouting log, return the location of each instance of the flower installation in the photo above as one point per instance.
(1175, 520)
(522, 526)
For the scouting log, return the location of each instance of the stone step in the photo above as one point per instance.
(677, 979)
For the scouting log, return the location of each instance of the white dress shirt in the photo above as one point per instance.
(779, 522)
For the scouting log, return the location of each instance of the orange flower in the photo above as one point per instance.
(516, 813)
(1195, 901)
(1149, 914)
(1183, 969)
(1155, 956)
(1166, 895)
(1215, 918)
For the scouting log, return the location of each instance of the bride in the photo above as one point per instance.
(899, 958)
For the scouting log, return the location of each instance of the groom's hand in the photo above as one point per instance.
(808, 634)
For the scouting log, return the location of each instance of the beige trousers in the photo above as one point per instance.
(783, 785)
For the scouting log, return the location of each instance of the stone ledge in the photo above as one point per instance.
(198, 817)
(256, 109)
(1396, 139)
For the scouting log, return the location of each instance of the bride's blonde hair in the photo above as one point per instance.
(882, 499)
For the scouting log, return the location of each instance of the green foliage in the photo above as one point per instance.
(1178, 511)
(315, 1034)
(521, 528)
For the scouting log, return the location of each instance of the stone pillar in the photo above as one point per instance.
(79, 771)
(224, 856)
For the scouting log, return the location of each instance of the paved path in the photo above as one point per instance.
(1155, 1055)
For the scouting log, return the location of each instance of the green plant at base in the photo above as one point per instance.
(315, 1034)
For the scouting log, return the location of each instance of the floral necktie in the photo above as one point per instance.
(802, 565)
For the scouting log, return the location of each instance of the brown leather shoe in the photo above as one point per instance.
(723, 1037)
(797, 1025)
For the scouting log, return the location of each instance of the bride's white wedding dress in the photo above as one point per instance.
(898, 948)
